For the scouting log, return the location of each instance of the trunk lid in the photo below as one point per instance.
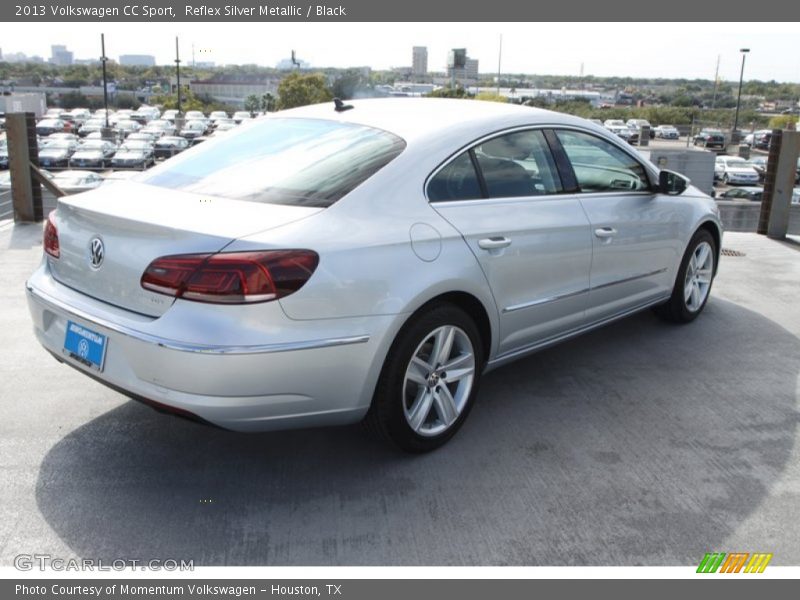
(138, 223)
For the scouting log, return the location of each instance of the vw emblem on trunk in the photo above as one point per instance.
(97, 252)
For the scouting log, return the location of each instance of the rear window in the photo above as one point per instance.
(302, 162)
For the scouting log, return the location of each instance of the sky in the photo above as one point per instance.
(669, 50)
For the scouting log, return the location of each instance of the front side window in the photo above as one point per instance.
(600, 166)
(302, 162)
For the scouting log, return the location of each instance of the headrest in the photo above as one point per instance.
(506, 147)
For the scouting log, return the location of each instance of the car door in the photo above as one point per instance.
(505, 197)
(635, 231)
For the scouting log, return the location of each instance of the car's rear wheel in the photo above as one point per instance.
(693, 283)
(429, 380)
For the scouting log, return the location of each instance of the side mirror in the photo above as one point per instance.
(672, 183)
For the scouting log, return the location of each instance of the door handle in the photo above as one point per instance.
(493, 243)
(605, 232)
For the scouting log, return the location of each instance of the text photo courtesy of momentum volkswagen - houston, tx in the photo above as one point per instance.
(298, 299)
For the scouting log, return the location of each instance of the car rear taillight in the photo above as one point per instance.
(231, 277)
(50, 240)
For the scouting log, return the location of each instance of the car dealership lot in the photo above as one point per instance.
(640, 443)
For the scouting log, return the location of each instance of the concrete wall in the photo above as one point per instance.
(743, 216)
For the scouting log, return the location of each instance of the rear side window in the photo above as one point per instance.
(302, 162)
(457, 181)
(600, 166)
(517, 165)
(513, 165)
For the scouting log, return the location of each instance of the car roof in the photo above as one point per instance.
(418, 118)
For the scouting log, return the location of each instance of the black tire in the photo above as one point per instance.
(386, 418)
(676, 309)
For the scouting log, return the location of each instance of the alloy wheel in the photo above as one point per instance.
(699, 273)
(438, 381)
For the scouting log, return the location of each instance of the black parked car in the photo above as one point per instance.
(57, 153)
(134, 155)
(93, 154)
(710, 139)
(170, 146)
(47, 126)
(753, 194)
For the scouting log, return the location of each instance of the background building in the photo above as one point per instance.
(137, 60)
(59, 55)
(419, 61)
(234, 91)
(462, 69)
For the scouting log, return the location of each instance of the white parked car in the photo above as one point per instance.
(667, 132)
(734, 170)
(322, 267)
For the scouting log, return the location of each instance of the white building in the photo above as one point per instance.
(137, 60)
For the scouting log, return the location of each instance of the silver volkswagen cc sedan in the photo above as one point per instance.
(338, 263)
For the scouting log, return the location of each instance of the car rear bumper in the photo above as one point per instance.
(298, 374)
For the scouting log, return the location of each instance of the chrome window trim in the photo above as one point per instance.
(648, 169)
(141, 336)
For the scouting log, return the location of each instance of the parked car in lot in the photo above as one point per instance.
(637, 124)
(225, 125)
(759, 163)
(47, 126)
(159, 127)
(613, 123)
(141, 136)
(217, 115)
(710, 138)
(241, 115)
(126, 127)
(192, 115)
(734, 170)
(667, 132)
(145, 114)
(5, 179)
(93, 154)
(750, 193)
(759, 139)
(91, 126)
(170, 145)
(133, 155)
(194, 129)
(75, 182)
(57, 153)
(626, 133)
(170, 114)
(3, 155)
(321, 267)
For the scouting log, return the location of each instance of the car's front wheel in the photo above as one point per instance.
(693, 283)
(429, 380)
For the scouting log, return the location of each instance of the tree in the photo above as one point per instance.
(268, 102)
(252, 103)
(491, 97)
(301, 90)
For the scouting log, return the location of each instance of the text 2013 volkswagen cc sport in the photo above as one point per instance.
(338, 263)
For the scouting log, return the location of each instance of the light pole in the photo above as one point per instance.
(744, 52)
(105, 132)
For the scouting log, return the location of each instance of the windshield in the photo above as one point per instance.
(304, 162)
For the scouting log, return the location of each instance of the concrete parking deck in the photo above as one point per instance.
(641, 443)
